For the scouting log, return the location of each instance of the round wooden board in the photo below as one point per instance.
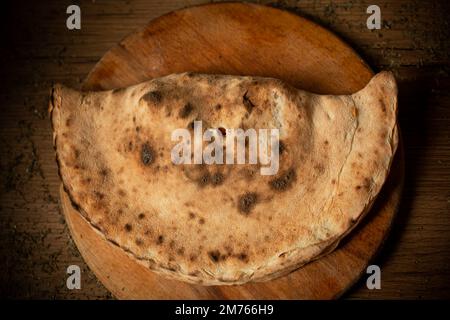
(244, 39)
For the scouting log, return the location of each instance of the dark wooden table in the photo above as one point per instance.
(38, 50)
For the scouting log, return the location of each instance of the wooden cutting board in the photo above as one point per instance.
(241, 39)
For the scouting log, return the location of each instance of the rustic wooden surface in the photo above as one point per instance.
(221, 38)
(38, 50)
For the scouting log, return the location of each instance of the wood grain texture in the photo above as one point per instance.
(221, 38)
(233, 38)
(38, 50)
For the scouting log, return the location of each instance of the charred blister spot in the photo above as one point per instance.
(68, 122)
(217, 179)
(152, 97)
(214, 255)
(138, 128)
(284, 181)
(141, 216)
(326, 143)
(186, 110)
(218, 106)
(319, 168)
(160, 239)
(358, 187)
(99, 195)
(147, 154)
(104, 172)
(247, 201)
(122, 193)
(180, 251)
(86, 181)
(228, 250)
(382, 105)
(204, 179)
(201, 221)
(191, 215)
(192, 257)
(247, 102)
(276, 95)
(243, 257)
(128, 227)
